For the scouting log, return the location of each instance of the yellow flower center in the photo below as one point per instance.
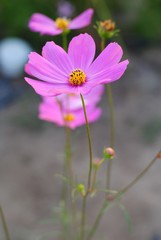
(62, 23)
(69, 117)
(108, 25)
(77, 77)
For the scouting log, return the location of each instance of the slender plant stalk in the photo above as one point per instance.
(4, 224)
(69, 170)
(64, 35)
(97, 221)
(130, 185)
(107, 204)
(89, 143)
(112, 124)
(83, 219)
(94, 179)
(112, 134)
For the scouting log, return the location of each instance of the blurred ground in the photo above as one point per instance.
(31, 154)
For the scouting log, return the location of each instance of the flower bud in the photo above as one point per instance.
(110, 197)
(159, 155)
(109, 153)
(97, 163)
(107, 29)
(81, 189)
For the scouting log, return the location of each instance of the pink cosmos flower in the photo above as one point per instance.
(45, 25)
(75, 71)
(72, 102)
(52, 112)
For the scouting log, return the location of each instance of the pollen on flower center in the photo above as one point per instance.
(77, 77)
(62, 23)
(69, 117)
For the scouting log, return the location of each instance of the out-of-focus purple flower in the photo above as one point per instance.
(75, 71)
(73, 101)
(65, 8)
(45, 25)
(72, 118)
(66, 109)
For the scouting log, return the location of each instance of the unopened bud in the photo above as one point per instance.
(81, 189)
(107, 29)
(110, 197)
(109, 153)
(159, 155)
(97, 163)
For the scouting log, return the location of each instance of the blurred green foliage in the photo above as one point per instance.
(141, 18)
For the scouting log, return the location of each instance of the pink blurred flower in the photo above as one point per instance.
(65, 8)
(75, 71)
(72, 102)
(45, 25)
(52, 112)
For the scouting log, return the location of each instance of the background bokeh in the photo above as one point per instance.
(31, 150)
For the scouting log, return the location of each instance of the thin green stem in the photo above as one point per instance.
(69, 170)
(112, 124)
(64, 35)
(106, 204)
(89, 143)
(112, 133)
(97, 221)
(130, 185)
(4, 224)
(94, 179)
(83, 219)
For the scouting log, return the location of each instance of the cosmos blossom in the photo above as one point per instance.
(72, 102)
(45, 25)
(57, 71)
(52, 111)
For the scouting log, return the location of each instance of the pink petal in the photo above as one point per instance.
(81, 51)
(82, 20)
(110, 74)
(43, 24)
(57, 56)
(49, 89)
(42, 88)
(42, 69)
(111, 55)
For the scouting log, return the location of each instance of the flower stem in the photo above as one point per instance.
(112, 134)
(4, 224)
(64, 35)
(69, 170)
(94, 179)
(106, 204)
(89, 143)
(83, 219)
(112, 123)
(130, 185)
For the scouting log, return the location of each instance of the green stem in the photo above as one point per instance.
(69, 170)
(106, 204)
(89, 143)
(4, 224)
(97, 221)
(130, 185)
(94, 179)
(83, 219)
(112, 123)
(112, 133)
(64, 35)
